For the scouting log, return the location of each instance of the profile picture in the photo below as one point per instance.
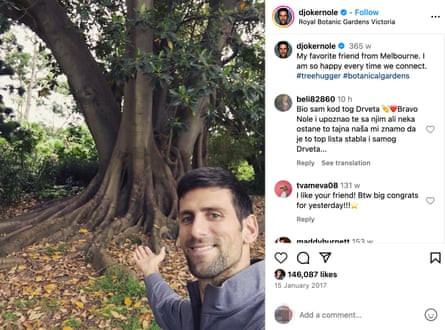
(280, 274)
(283, 189)
(283, 239)
(283, 16)
(283, 314)
(283, 49)
(283, 102)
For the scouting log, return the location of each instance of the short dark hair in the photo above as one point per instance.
(206, 177)
(283, 43)
(283, 9)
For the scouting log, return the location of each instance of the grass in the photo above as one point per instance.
(59, 249)
(122, 306)
(10, 316)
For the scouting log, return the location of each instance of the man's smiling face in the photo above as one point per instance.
(282, 50)
(211, 234)
(283, 16)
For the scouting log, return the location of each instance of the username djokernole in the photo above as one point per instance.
(317, 12)
(308, 45)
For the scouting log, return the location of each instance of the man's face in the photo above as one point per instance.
(282, 50)
(282, 17)
(211, 234)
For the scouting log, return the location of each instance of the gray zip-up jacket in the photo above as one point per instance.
(238, 304)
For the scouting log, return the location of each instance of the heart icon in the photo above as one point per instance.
(430, 200)
(430, 128)
(393, 108)
(281, 257)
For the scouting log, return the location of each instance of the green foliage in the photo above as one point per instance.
(72, 322)
(227, 149)
(77, 156)
(245, 172)
(33, 160)
(28, 304)
(10, 316)
(122, 289)
(122, 285)
(59, 249)
(20, 61)
(183, 63)
(7, 124)
(240, 154)
(154, 326)
(21, 170)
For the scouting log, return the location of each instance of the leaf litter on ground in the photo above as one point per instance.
(56, 288)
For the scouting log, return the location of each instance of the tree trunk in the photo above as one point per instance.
(32, 80)
(135, 187)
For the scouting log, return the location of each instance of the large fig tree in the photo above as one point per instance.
(151, 78)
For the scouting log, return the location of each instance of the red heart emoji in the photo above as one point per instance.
(393, 108)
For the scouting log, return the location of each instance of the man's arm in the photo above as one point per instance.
(171, 311)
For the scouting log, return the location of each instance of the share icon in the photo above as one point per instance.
(325, 256)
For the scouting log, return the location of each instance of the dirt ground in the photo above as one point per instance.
(52, 287)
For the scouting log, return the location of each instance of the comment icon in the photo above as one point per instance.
(303, 258)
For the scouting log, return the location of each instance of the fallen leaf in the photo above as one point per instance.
(28, 325)
(79, 304)
(50, 287)
(116, 315)
(34, 315)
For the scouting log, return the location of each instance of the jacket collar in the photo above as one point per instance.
(231, 295)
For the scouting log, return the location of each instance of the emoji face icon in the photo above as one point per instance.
(431, 314)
